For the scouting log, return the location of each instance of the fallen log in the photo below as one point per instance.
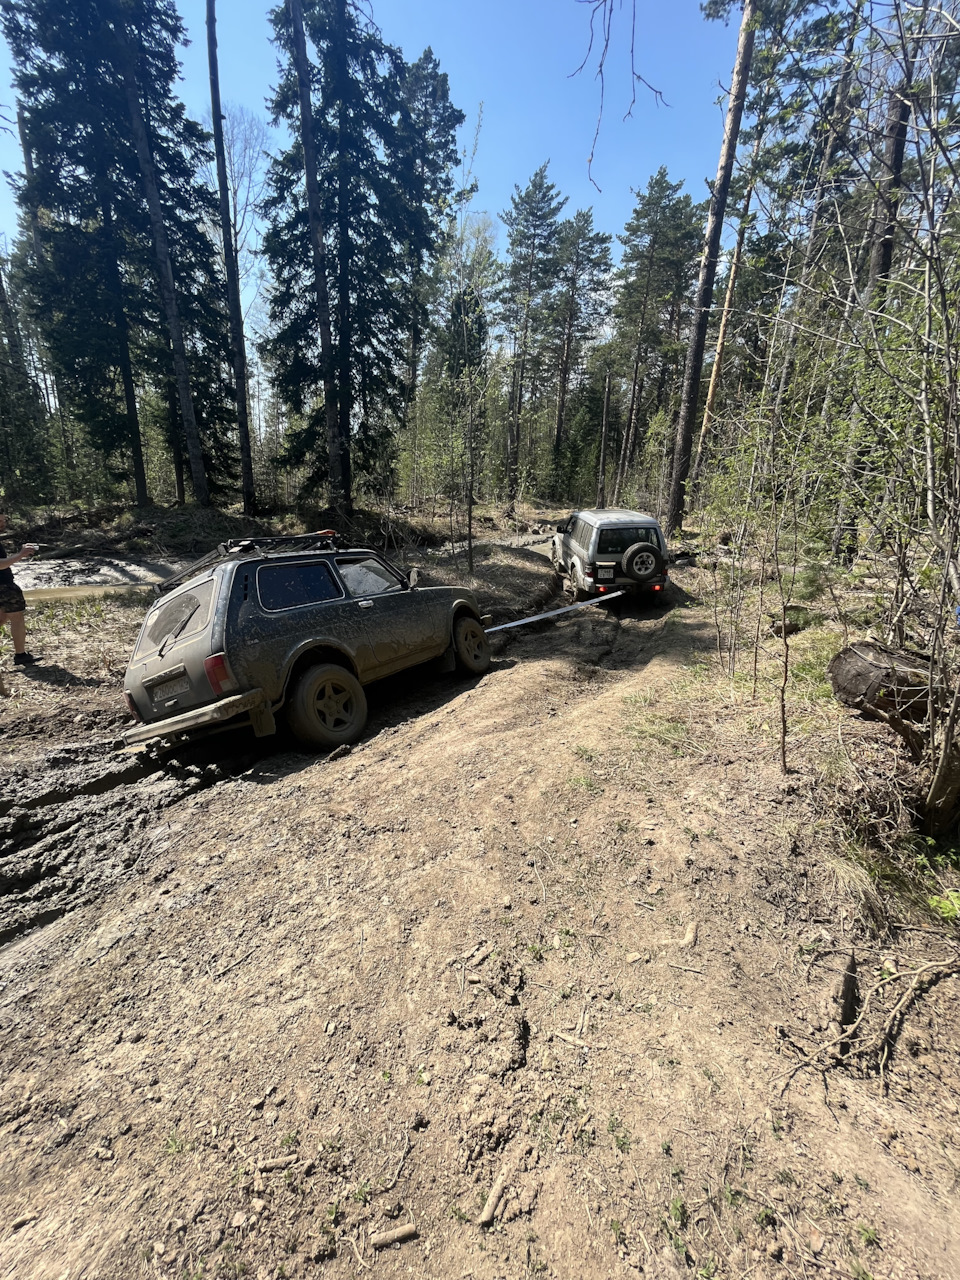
(882, 682)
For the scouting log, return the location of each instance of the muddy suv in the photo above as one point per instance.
(613, 550)
(295, 626)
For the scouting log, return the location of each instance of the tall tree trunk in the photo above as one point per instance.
(161, 247)
(626, 445)
(238, 348)
(176, 445)
(563, 381)
(887, 205)
(839, 120)
(604, 430)
(33, 222)
(344, 247)
(111, 267)
(708, 269)
(339, 478)
(721, 341)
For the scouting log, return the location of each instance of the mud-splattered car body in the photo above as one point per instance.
(233, 638)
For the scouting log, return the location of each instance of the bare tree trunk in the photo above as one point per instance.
(844, 544)
(708, 269)
(344, 243)
(238, 349)
(161, 246)
(563, 381)
(721, 342)
(339, 480)
(33, 223)
(602, 480)
(176, 446)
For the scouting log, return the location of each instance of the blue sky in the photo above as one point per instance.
(516, 58)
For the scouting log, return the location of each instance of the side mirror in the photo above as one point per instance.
(413, 578)
(561, 528)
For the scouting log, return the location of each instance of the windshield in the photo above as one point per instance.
(614, 542)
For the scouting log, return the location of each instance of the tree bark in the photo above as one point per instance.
(602, 479)
(887, 205)
(340, 497)
(721, 341)
(161, 246)
(238, 349)
(708, 270)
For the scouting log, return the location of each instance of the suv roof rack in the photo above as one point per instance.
(242, 548)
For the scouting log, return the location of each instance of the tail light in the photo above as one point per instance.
(656, 586)
(590, 571)
(131, 706)
(217, 671)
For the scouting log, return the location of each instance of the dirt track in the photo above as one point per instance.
(500, 946)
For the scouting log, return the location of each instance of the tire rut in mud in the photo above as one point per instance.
(80, 821)
(84, 815)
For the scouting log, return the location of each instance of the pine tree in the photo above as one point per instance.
(580, 301)
(660, 242)
(533, 230)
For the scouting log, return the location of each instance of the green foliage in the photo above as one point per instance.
(385, 134)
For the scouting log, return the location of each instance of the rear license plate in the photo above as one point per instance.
(171, 688)
(605, 571)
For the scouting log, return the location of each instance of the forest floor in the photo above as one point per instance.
(544, 976)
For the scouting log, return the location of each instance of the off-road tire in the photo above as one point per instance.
(471, 648)
(327, 708)
(573, 586)
(555, 559)
(642, 562)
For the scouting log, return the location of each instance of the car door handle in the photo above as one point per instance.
(366, 604)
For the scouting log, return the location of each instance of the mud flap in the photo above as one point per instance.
(263, 721)
(447, 662)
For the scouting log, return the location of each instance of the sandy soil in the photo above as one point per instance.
(511, 989)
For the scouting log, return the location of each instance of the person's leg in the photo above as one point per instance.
(18, 629)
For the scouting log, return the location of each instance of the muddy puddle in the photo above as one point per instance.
(72, 578)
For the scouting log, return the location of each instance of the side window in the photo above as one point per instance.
(288, 586)
(581, 533)
(571, 524)
(368, 577)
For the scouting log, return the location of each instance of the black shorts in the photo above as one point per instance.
(11, 598)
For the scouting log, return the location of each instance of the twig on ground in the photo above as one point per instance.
(934, 970)
(508, 1170)
(388, 1186)
(234, 963)
(382, 1239)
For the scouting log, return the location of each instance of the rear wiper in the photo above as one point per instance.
(177, 631)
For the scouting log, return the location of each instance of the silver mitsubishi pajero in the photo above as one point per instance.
(610, 550)
(292, 626)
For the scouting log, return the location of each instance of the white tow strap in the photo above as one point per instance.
(555, 613)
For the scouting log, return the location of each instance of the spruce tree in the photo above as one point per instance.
(580, 302)
(86, 74)
(384, 147)
(533, 231)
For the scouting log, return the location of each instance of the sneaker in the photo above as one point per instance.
(24, 660)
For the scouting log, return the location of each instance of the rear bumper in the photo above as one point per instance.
(214, 713)
(591, 585)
